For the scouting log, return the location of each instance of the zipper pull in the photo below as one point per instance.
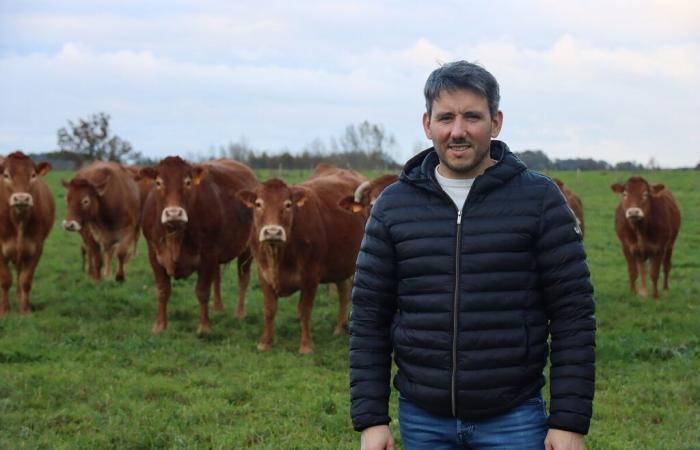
(459, 217)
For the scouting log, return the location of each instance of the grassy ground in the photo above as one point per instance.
(84, 372)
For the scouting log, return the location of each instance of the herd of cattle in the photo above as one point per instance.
(195, 218)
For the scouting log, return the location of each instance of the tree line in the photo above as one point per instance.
(362, 146)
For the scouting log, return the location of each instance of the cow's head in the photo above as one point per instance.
(175, 182)
(366, 194)
(273, 203)
(83, 198)
(20, 173)
(636, 197)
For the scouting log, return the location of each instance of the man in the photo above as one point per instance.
(468, 265)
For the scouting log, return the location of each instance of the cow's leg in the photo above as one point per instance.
(205, 277)
(94, 256)
(125, 249)
(642, 268)
(654, 274)
(218, 303)
(269, 312)
(162, 280)
(344, 288)
(243, 262)
(5, 283)
(25, 275)
(306, 304)
(631, 269)
(108, 256)
(667, 265)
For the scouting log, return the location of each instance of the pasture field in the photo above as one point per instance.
(84, 372)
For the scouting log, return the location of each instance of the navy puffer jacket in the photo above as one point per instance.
(473, 345)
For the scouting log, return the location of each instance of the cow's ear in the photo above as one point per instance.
(101, 181)
(134, 172)
(348, 203)
(148, 172)
(198, 173)
(43, 168)
(247, 197)
(298, 197)
(66, 184)
(657, 188)
(617, 187)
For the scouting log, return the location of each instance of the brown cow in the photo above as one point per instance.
(366, 194)
(193, 221)
(574, 202)
(647, 221)
(26, 218)
(103, 205)
(301, 238)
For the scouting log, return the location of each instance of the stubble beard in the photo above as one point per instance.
(468, 168)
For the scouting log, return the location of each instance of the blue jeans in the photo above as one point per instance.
(522, 428)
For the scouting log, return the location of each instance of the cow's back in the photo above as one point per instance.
(342, 230)
(230, 177)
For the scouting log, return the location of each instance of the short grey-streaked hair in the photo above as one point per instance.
(462, 75)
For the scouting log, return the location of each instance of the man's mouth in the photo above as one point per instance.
(459, 147)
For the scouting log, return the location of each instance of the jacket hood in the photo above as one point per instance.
(420, 170)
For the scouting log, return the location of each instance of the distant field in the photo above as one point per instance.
(84, 372)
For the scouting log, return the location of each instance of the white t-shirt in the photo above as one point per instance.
(456, 188)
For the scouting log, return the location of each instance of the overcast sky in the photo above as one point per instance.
(613, 80)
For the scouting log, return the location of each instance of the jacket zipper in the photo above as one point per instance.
(455, 314)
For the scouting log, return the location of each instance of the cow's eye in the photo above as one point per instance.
(624, 194)
(645, 195)
(33, 176)
(188, 182)
(287, 204)
(159, 183)
(258, 203)
(85, 201)
(6, 175)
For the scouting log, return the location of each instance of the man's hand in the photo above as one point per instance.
(563, 440)
(377, 437)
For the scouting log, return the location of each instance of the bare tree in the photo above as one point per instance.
(367, 138)
(91, 139)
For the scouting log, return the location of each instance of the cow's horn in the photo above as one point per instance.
(360, 189)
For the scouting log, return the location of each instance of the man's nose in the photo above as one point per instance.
(459, 128)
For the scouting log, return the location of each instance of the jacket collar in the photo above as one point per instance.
(420, 170)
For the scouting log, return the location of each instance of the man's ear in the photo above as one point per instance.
(43, 168)
(148, 172)
(617, 188)
(426, 126)
(496, 124)
(247, 197)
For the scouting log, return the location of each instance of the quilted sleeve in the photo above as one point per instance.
(570, 306)
(373, 307)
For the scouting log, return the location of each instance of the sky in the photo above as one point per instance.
(612, 80)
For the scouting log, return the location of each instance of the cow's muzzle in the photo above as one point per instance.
(634, 214)
(21, 200)
(71, 225)
(174, 216)
(272, 234)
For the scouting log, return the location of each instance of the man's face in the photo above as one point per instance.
(461, 128)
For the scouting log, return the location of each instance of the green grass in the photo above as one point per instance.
(84, 371)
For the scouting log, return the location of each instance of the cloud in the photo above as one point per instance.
(577, 80)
